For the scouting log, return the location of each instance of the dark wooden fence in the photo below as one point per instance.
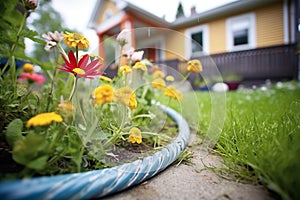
(274, 63)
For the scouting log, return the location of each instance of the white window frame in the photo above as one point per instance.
(246, 20)
(188, 41)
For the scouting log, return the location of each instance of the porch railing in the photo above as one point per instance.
(275, 63)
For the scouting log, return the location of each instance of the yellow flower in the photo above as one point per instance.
(125, 69)
(27, 67)
(135, 135)
(105, 78)
(170, 78)
(75, 40)
(195, 66)
(158, 83)
(103, 94)
(158, 74)
(66, 106)
(126, 96)
(66, 110)
(140, 65)
(44, 119)
(172, 92)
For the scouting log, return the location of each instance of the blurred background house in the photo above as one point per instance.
(251, 39)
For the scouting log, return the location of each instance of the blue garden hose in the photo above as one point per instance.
(99, 183)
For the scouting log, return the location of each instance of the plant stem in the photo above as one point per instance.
(62, 50)
(145, 92)
(51, 90)
(77, 54)
(91, 130)
(11, 59)
(85, 141)
(73, 89)
(121, 55)
(184, 79)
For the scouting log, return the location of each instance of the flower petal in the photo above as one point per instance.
(83, 62)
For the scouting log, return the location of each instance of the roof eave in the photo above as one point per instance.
(92, 23)
(146, 15)
(227, 9)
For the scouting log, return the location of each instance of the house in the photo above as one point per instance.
(252, 38)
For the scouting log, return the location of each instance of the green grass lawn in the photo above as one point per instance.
(260, 139)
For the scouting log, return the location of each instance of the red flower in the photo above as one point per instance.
(83, 68)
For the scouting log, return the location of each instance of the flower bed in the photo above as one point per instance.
(69, 130)
(69, 117)
(99, 183)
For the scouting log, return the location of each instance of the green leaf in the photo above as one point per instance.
(31, 151)
(39, 163)
(14, 132)
(30, 34)
(21, 90)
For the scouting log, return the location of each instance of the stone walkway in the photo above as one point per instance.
(192, 182)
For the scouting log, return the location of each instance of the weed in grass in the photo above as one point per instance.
(184, 157)
(260, 138)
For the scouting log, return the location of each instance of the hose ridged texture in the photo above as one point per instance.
(99, 183)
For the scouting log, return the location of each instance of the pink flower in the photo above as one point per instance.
(31, 4)
(32, 77)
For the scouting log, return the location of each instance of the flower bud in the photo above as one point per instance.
(31, 4)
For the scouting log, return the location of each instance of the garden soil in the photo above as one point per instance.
(193, 182)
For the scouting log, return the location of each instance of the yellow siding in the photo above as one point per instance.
(269, 27)
(108, 5)
(217, 36)
(175, 44)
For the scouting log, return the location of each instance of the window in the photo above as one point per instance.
(197, 41)
(108, 14)
(240, 37)
(240, 32)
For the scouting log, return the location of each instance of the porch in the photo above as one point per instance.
(253, 66)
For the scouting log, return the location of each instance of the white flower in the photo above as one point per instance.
(137, 56)
(50, 45)
(124, 37)
(128, 51)
(53, 37)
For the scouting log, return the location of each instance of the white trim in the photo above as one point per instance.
(120, 4)
(158, 42)
(285, 22)
(242, 19)
(292, 22)
(188, 40)
(110, 22)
